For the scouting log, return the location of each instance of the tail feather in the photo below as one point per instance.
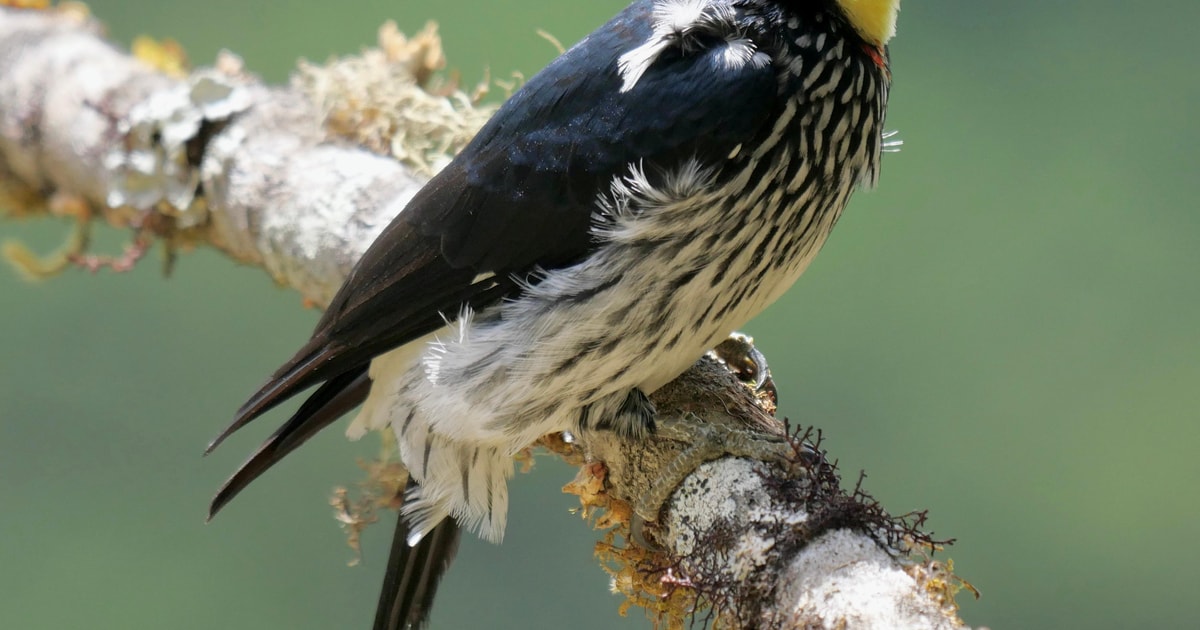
(330, 402)
(307, 368)
(413, 575)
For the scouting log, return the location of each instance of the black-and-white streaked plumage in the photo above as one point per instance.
(651, 190)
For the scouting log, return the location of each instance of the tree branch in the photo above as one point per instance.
(278, 178)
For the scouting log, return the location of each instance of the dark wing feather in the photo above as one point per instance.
(403, 275)
(533, 173)
(331, 401)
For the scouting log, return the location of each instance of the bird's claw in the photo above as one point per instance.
(705, 441)
(739, 354)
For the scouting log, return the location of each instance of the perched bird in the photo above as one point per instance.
(651, 190)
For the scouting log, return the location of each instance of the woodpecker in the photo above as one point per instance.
(651, 190)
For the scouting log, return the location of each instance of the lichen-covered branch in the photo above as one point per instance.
(298, 180)
(216, 157)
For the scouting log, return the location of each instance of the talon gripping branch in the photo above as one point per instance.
(651, 190)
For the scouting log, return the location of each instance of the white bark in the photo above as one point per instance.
(252, 170)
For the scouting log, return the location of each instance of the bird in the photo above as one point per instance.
(652, 189)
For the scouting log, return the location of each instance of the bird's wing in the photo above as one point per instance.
(522, 194)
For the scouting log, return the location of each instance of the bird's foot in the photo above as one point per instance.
(745, 361)
(708, 441)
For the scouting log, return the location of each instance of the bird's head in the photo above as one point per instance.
(874, 20)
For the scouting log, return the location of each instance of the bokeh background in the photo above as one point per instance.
(1005, 334)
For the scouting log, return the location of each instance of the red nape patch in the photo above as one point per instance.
(876, 55)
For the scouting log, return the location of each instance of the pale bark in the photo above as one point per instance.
(253, 171)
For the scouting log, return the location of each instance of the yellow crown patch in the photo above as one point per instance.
(875, 20)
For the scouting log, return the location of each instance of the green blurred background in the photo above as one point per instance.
(1005, 333)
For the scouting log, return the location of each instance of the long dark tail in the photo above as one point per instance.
(413, 574)
(328, 403)
(309, 366)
